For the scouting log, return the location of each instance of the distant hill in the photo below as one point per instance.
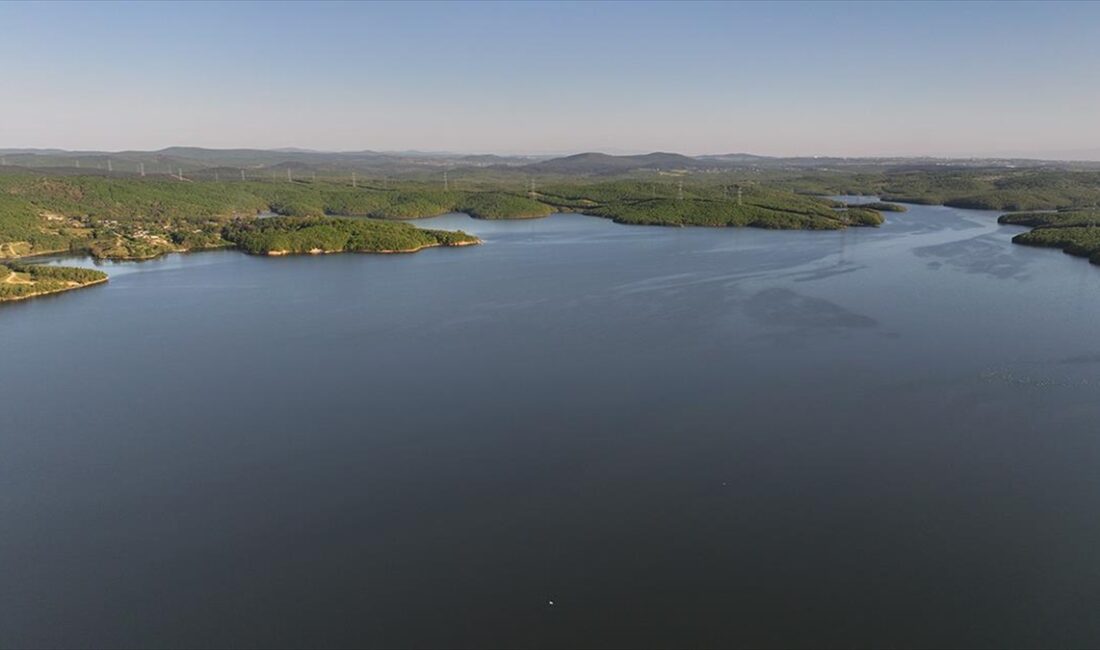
(192, 160)
(743, 158)
(292, 165)
(602, 163)
(491, 159)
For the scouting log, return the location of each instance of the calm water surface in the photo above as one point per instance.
(680, 437)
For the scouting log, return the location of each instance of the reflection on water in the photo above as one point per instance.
(977, 255)
(786, 309)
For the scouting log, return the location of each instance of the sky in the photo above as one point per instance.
(785, 78)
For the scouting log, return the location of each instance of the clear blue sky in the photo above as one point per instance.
(784, 78)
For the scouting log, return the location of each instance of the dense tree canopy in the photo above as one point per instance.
(131, 217)
(284, 235)
(18, 281)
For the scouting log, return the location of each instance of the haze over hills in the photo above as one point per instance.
(601, 163)
(1072, 155)
(177, 159)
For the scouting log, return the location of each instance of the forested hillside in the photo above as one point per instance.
(19, 281)
(137, 218)
(127, 217)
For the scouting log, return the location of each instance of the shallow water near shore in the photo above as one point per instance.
(679, 437)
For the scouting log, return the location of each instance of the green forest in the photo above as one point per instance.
(1082, 242)
(1006, 189)
(287, 235)
(18, 281)
(129, 217)
(135, 218)
(141, 219)
(1073, 231)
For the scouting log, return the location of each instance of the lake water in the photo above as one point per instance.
(678, 437)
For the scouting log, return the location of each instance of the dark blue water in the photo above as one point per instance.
(680, 437)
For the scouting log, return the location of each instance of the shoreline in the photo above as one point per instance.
(871, 198)
(388, 251)
(54, 292)
(69, 253)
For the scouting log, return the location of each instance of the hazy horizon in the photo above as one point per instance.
(1092, 155)
(785, 79)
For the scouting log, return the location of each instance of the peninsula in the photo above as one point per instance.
(22, 281)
